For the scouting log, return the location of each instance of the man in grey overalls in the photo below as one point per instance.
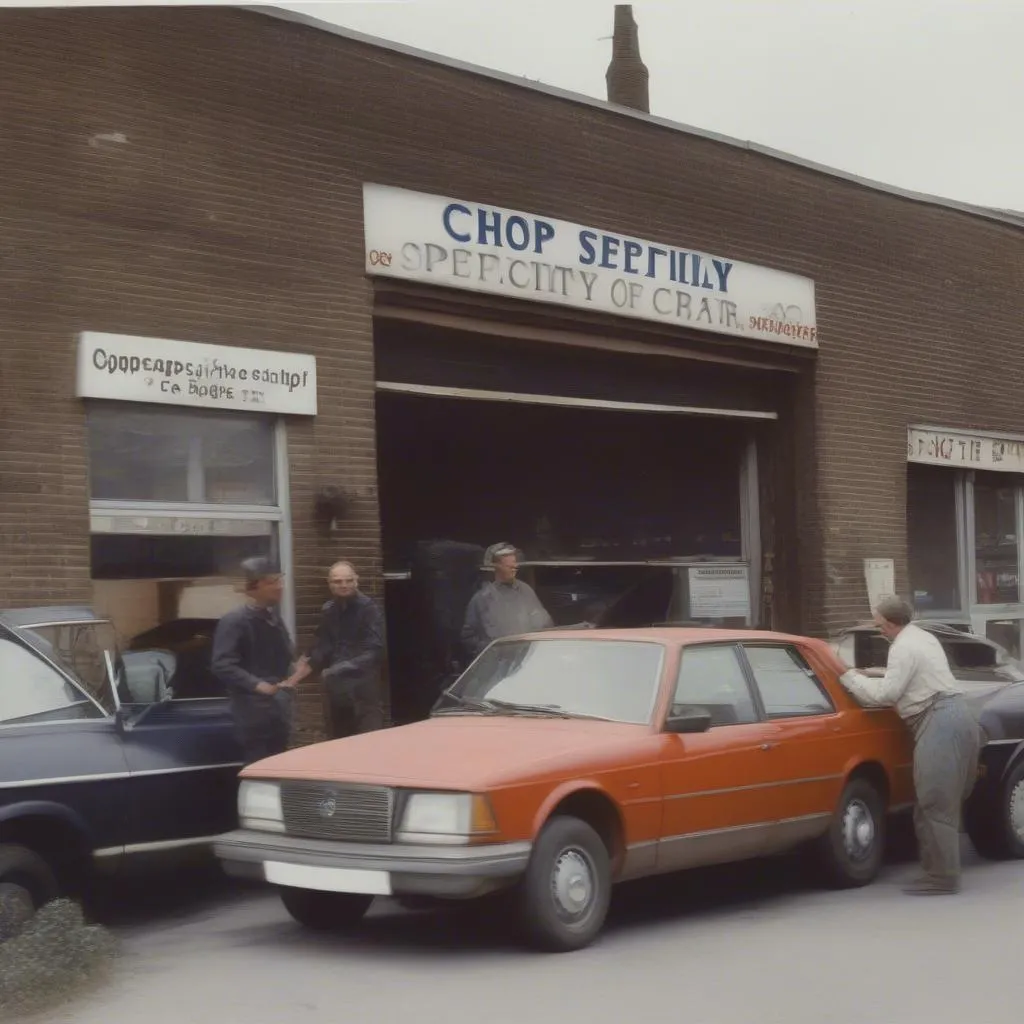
(947, 739)
(505, 607)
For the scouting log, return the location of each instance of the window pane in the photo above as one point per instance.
(610, 679)
(995, 538)
(171, 455)
(29, 688)
(1006, 633)
(164, 595)
(79, 649)
(932, 537)
(786, 686)
(712, 678)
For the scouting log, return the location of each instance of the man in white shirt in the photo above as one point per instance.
(919, 685)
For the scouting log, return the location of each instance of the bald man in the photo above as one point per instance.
(348, 651)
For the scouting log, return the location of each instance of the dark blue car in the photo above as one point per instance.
(102, 767)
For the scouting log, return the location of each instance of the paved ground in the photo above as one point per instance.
(755, 945)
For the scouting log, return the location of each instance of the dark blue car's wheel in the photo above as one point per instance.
(26, 884)
(994, 818)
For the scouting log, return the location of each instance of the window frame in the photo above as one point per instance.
(741, 664)
(19, 640)
(279, 515)
(801, 662)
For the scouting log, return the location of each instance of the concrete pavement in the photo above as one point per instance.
(754, 944)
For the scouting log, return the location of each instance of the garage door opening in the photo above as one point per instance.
(624, 516)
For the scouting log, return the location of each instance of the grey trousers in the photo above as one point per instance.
(947, 741)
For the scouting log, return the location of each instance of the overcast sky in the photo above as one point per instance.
(922, 94)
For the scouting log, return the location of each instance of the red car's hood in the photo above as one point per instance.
(466, 752)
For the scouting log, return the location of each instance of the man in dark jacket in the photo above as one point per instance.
(253, 656)
(348, 650)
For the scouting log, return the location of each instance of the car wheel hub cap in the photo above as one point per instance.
(572, 883)
(858, 830)
(1017, 810)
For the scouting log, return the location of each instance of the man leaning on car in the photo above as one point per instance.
(918, 683)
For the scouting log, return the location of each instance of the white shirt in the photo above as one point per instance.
(917, 671)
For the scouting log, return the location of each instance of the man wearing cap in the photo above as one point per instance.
(253, 656)
(505, 607)
(920, 686)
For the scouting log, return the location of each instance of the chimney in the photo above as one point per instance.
(627, 74)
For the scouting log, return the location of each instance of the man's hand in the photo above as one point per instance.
(302, 670)
(266, 689)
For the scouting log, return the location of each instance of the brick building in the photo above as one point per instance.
(477, 309)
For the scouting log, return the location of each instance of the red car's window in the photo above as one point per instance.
(787, 686)
(712, 678)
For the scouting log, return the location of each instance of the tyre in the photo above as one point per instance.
(566, 890)
(325, 911)
(995, 821)
(26, 883)
(851, 852)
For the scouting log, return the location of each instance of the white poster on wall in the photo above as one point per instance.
(880, 579)
(483, 248)
(719, 592)
(126, 368)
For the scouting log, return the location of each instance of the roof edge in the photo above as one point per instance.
(1008, 217)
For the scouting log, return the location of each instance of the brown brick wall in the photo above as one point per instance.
(230, 213)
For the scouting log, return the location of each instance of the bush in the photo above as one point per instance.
(52, 958)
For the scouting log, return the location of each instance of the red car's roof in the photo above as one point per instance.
(664, 634)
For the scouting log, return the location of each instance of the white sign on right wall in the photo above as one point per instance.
(962, 449)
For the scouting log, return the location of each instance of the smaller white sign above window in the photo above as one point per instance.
(965, 450)
(720, 592)
(126, 368)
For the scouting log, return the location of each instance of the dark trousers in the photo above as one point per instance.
(354, 707)
(263, 725)
(266, 742)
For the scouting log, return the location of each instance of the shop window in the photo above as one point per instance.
(164, 574)
(996, 532)
(175, 456)
(932, 538)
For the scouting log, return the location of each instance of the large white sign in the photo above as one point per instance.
(964, 450)
(131, 369)
(481, 248)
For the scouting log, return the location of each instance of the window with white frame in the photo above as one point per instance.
(178, 499)
(965, 536)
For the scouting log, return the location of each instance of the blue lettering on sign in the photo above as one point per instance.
(490, 227)
(640, 259)
(481, 225)
(459, 236)
(587, 257)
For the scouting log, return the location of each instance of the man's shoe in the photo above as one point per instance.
(932, 887)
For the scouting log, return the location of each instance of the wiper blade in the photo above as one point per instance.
(469, 704)
(549, 710)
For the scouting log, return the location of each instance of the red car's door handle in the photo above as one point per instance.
(768, 746)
